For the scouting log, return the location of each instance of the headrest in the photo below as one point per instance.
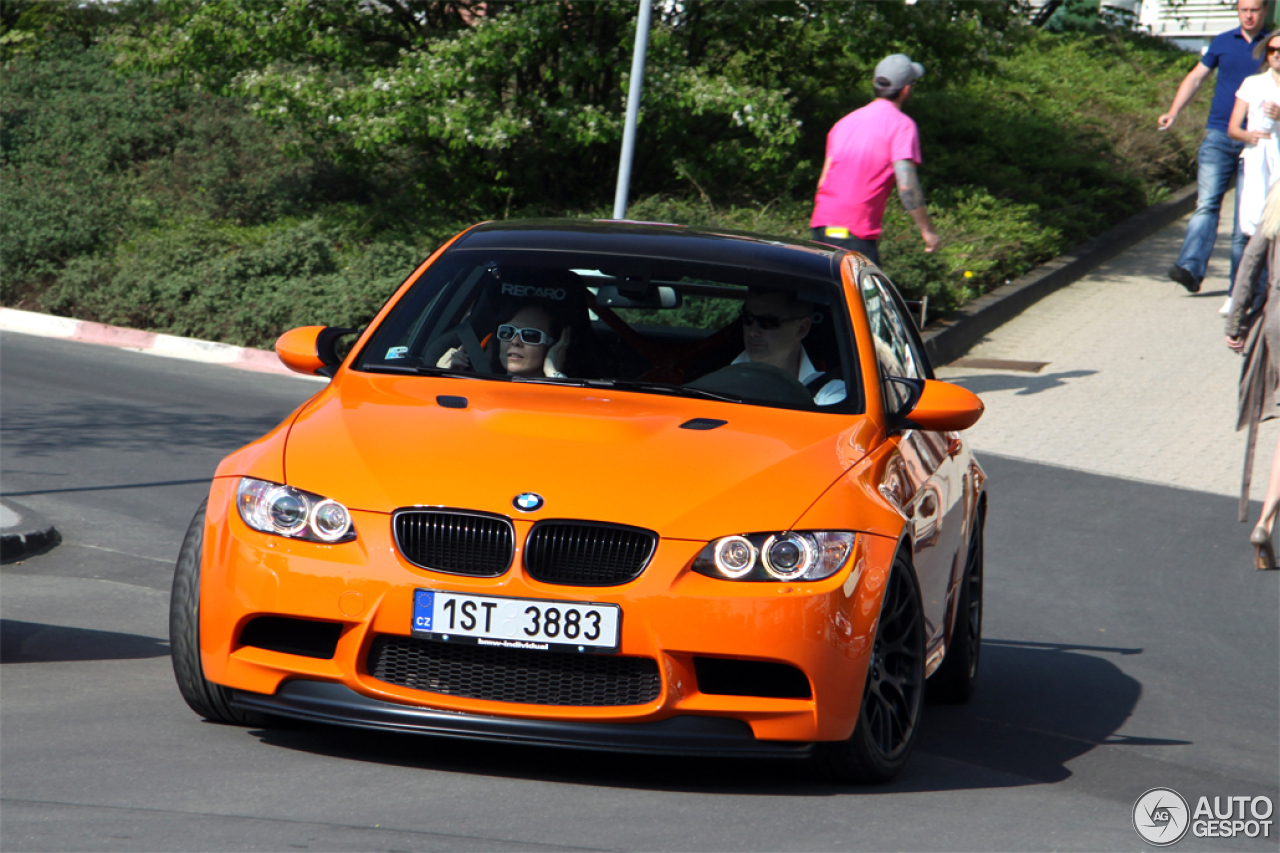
(559, 292)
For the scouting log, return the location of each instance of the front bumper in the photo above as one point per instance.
(671, 615)
(327, 702)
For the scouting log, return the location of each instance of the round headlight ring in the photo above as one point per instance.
(330, 520)
(287, 510)
(788, 557)
(735, 556)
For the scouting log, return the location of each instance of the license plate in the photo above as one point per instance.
(516, 623)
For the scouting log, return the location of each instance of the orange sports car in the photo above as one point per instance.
(603, 485)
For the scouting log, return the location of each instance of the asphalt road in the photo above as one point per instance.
(1126, 648)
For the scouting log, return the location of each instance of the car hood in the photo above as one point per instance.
(378, 443)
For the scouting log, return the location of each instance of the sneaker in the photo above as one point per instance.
(1226, 307)
(1185, 278)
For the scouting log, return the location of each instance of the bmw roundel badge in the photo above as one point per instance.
(527, 502)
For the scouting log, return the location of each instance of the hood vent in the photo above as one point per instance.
(703, 423)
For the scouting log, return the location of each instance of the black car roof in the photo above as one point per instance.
(658, 241)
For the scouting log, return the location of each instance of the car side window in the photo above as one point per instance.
(889, 331)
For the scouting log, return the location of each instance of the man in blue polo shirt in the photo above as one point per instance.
(1231, 53)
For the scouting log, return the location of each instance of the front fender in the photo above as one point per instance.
(262, 459)
(865, 499)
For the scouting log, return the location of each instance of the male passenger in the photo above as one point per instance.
(774, 323)
(1231, 53)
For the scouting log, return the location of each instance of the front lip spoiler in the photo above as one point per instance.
(328, 702)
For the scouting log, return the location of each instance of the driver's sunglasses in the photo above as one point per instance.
(532, 337)
(765, 322)
(1271, 50)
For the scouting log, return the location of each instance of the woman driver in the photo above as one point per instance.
(527, 346)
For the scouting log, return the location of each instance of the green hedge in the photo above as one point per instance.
(175, 210)
(233, 284)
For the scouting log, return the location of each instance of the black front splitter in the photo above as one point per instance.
(327, 702)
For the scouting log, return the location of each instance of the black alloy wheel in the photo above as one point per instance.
(893, 698)
(953, 682)
(209, 700)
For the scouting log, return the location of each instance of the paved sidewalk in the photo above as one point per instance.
(1139, 382)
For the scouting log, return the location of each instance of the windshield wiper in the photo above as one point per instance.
(620, 384)
(663, 388)
(417, 370)
(551, 380)
(391, 368)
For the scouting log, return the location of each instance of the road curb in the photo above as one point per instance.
(24, 532)
(190, 349)
(947, 339)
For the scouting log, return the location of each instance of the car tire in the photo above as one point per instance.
(209, 700)
(953, 682)
(893, 698)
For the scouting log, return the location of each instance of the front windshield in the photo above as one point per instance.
(644, 325)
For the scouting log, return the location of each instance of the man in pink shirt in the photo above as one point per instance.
(868, 151)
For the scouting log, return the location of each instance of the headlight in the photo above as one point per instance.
(734, 556)
(286, 511)
(792, 555)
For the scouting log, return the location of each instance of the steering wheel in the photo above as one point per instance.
(759, 383)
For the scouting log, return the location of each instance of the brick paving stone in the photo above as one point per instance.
(1139, 382)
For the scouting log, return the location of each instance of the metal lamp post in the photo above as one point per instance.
(633, 110)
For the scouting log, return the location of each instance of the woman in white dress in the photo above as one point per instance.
(1255, 121)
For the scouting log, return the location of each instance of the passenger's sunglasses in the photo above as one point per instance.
(1271, 50)
(532, 337)
(765, 322)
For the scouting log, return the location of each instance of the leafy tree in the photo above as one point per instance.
(526, 99)
(28, 25)
(1075, 15)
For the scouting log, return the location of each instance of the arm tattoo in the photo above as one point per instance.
(908, 184)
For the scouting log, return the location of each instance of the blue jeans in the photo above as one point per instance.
(1218, 162)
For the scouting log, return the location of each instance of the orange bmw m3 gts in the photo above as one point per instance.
(603, 485)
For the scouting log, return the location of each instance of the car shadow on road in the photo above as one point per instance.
(1025, 383)
(36, 642)
(1038, 706)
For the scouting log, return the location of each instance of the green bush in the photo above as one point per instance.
(89, 158)
(238, 285)
(172, 208)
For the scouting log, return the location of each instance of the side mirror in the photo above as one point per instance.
(935, 406)
(312, 350)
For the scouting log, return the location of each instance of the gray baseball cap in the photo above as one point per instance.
(897, 71)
